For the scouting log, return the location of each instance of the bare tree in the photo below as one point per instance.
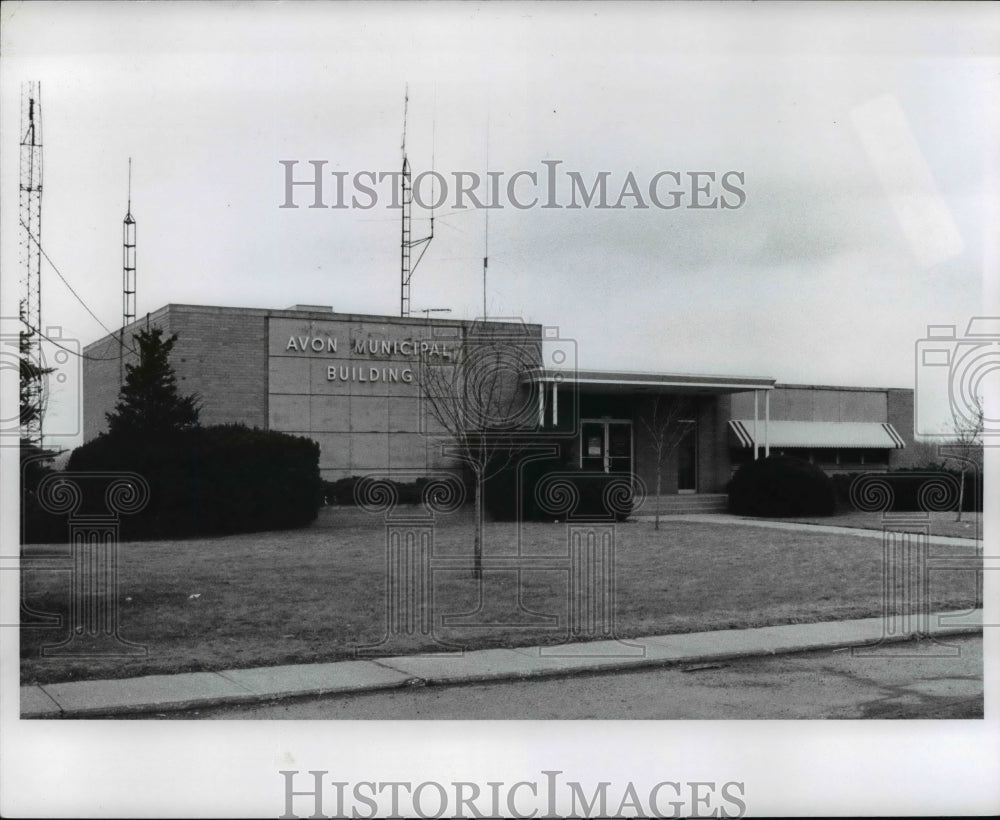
(477, 398)
(967, 446)
(666, 432)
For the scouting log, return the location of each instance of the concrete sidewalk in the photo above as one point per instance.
(727, 518)
(160, 693)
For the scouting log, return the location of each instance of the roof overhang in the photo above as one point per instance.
(616, 381)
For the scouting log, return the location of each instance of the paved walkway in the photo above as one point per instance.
(159, 693)
(726, 518)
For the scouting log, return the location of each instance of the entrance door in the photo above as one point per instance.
(619, 447)
(592, 446)
(606, 446)
(687, 459)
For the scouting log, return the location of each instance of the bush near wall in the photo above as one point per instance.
(341, 492)
(547, 489)
(905, 484)
(209, 480)
(780, 486)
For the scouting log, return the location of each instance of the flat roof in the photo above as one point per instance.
(639, 381)
(319, 313)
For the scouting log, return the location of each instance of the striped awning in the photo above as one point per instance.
(836, 434)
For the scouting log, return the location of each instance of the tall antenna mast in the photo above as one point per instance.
(128, 276)
(30, 204)
(408, 243)
(486, 228)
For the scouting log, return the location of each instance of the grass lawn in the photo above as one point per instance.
(941, 523)
(315, 594)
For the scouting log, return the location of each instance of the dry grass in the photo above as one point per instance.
(314, 595)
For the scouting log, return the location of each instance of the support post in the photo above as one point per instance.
(767, 423)
(541, 403)
(755, 413)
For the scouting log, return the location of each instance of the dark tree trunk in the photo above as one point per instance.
(477, 549)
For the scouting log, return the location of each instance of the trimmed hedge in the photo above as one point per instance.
(911, 490)
(209, 480)
(341, 492)
(781, 486)
(548, 490)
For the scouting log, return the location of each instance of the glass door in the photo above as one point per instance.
(619, 447)
(592, 446)
(606, 446)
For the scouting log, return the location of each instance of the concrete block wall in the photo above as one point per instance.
(351, 383)
(238, 362)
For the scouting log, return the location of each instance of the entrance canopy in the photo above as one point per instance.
(637, 383)
(615, 381)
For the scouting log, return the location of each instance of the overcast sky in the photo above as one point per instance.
(819, 277)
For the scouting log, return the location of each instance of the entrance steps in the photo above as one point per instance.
(698, 503)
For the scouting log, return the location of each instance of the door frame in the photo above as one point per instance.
(606, 456)
(694, 490)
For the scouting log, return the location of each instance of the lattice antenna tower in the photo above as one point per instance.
(408, 266)
(128, 276)
(30, 208)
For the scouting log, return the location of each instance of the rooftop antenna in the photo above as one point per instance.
(30, 206)
(128, 276)
(486, 229)
(428, 311)
(408, 243)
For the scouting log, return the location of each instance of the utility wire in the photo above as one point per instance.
(52, 264)
(70, 350)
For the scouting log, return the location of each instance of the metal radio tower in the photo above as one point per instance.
(31, 250)
(407, 267)
(128, 276)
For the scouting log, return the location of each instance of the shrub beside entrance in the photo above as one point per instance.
(781, 486)
(532, 489)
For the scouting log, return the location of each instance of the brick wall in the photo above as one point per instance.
(101, 369)
(220, 354)
(722, 469)
(900, 416)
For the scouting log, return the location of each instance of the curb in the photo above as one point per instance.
(185, 691)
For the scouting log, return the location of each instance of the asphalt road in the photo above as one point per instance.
(913, 682)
